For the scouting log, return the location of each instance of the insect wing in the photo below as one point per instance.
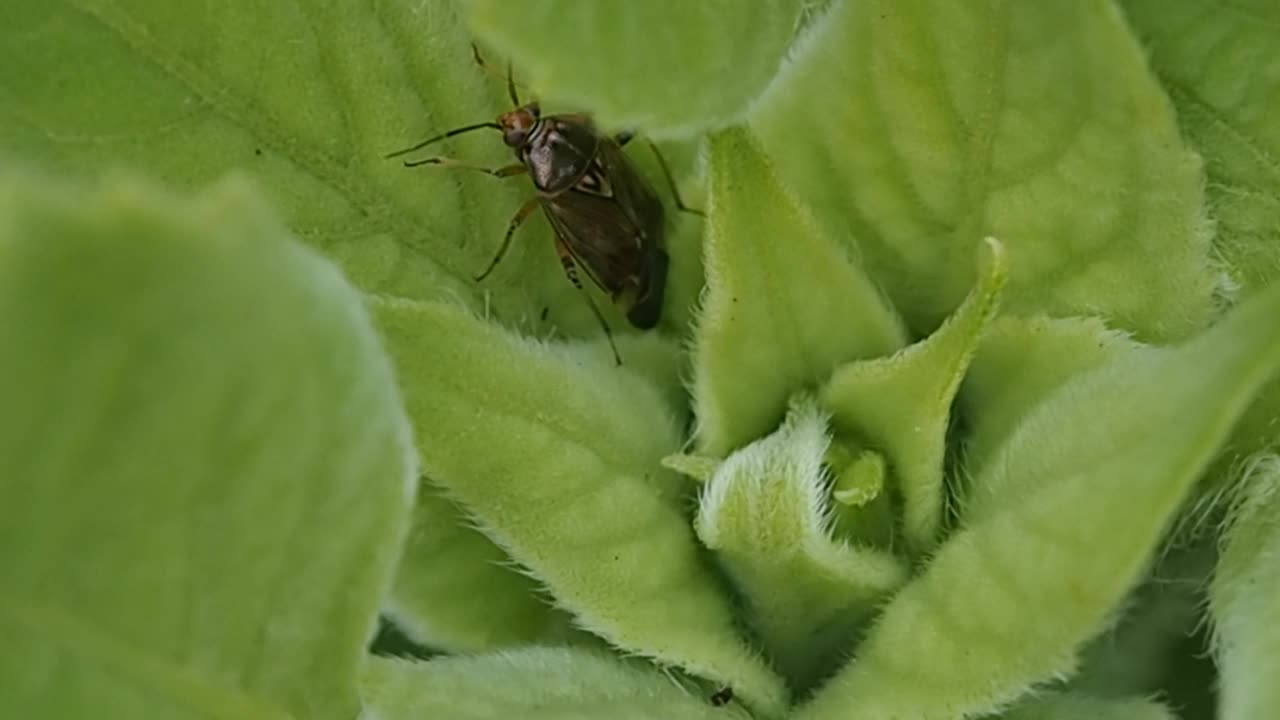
(600, 237)
(632, 191)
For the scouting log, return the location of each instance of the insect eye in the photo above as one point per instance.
(514, 136)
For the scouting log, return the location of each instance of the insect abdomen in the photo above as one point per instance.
(647, 309)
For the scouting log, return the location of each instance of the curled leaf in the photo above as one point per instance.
(1069, 515)
(764, 511)
(901, 405)
(784, 302)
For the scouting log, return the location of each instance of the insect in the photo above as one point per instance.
(605, 215)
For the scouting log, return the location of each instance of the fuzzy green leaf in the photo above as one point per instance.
(862, 509)
(455, 590)
(784, 303)
(1221, 65)
(922, 126)
(1019, 362)
(901, 405)
(1243, 599)
(1066, 521)
(206, 468)
(658, 65)
(765, 513)
(1072, 706)
(557, 454)
(1143, 652)
(531, 684)
(308, 98)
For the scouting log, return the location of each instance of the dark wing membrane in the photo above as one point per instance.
(601, 236)
(632, 191)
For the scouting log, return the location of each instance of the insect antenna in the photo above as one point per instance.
(511, 85)
(442, 136)
(511, 80)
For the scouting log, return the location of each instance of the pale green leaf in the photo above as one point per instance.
(1072, 510)
(557, 454)
(862, 509)
(862, 480)
(531, 684)
(784, 304)
(764, 512)
(901, 405)
(1019, 362)
(308, 98)
(665, 66)
(922, 126)
(1143, 651)
(695, 467)
(456, 591)
(207, 471)
(1243, 597)
(1073, 706)
(1220, 64)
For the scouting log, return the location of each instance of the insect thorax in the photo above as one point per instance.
(558, 153)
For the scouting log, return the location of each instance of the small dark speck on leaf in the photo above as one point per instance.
(722, 696)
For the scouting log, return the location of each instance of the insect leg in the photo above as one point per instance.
(521, 215)
(502, 172)
(671, 182)
(571, 272)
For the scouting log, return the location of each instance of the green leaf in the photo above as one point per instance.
(1142, 653)
(657, 65)
(1243, 596)
(922, 127)
(1072, 706)
(765, 514)
(279, 91)
(1019, 362)
(306, 97)
(531, 684)
(901, 405)
(455, 590)
(862, 509)
(1067, 518)
(557, 455)
(1220, 64)
(207, 471)
(784, 303)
